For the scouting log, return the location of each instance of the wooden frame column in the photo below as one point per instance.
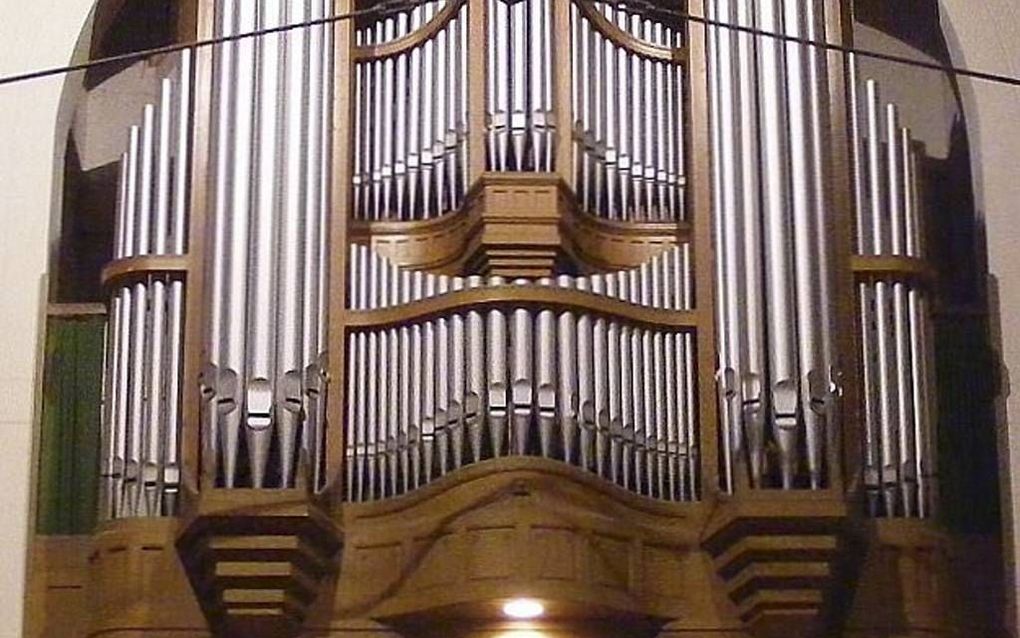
(477, 74)
(340, 214)
(845, 446)
(195, 469)
(700, 214)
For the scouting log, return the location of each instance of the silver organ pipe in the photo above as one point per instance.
(140, 466)
(410, 157)
(773, 270)
(520, 120)
(587, 389)
(898, 461)
(264, 382)
(628, 115)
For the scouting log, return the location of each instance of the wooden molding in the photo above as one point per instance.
(913, 269)
(256, 559)
(624, 40)
(518, 225)
(776, 554)
(607, 245)
(411, 40)
(124, 271)
(530, 296)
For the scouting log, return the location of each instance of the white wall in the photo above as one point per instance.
(35, 34)
(985, 35)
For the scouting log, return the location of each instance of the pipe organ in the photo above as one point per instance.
(561, 281)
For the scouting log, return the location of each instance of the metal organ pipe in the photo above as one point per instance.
(584, 388)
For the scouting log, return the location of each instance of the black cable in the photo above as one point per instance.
(396, 5)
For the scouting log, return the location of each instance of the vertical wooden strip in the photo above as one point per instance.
(562, 89)
(477, 70)
(188, 12)
(49, 455)
(193, 476)
(844, 445)
(343, 167)
(700, 209)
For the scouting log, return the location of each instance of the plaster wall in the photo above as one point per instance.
(984, 36)
(36, 34)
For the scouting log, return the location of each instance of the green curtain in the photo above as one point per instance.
(71, 417)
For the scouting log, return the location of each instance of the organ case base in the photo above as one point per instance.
(440, 560)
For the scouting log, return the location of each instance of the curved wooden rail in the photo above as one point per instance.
(524, 471)
(892, 267)
(605, 245)
(622, 39)
(411, 40)
(530, 296)
(442, 244)
(121, 271)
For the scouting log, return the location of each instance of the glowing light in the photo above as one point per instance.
(523, 608)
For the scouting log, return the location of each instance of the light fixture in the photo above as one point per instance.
(523, 608)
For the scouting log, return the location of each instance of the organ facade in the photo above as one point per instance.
(424, 307)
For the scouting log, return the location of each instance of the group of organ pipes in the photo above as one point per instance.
(521, 130)
(589, 389)
(263, 384)
(628, 110)
(896, 335)
(411, 117)
(140, 465)
(779, 376)
(595, 390)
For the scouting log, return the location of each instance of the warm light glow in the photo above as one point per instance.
(523, 608)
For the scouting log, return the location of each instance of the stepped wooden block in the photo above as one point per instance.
(257, 559)
(775, 553)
